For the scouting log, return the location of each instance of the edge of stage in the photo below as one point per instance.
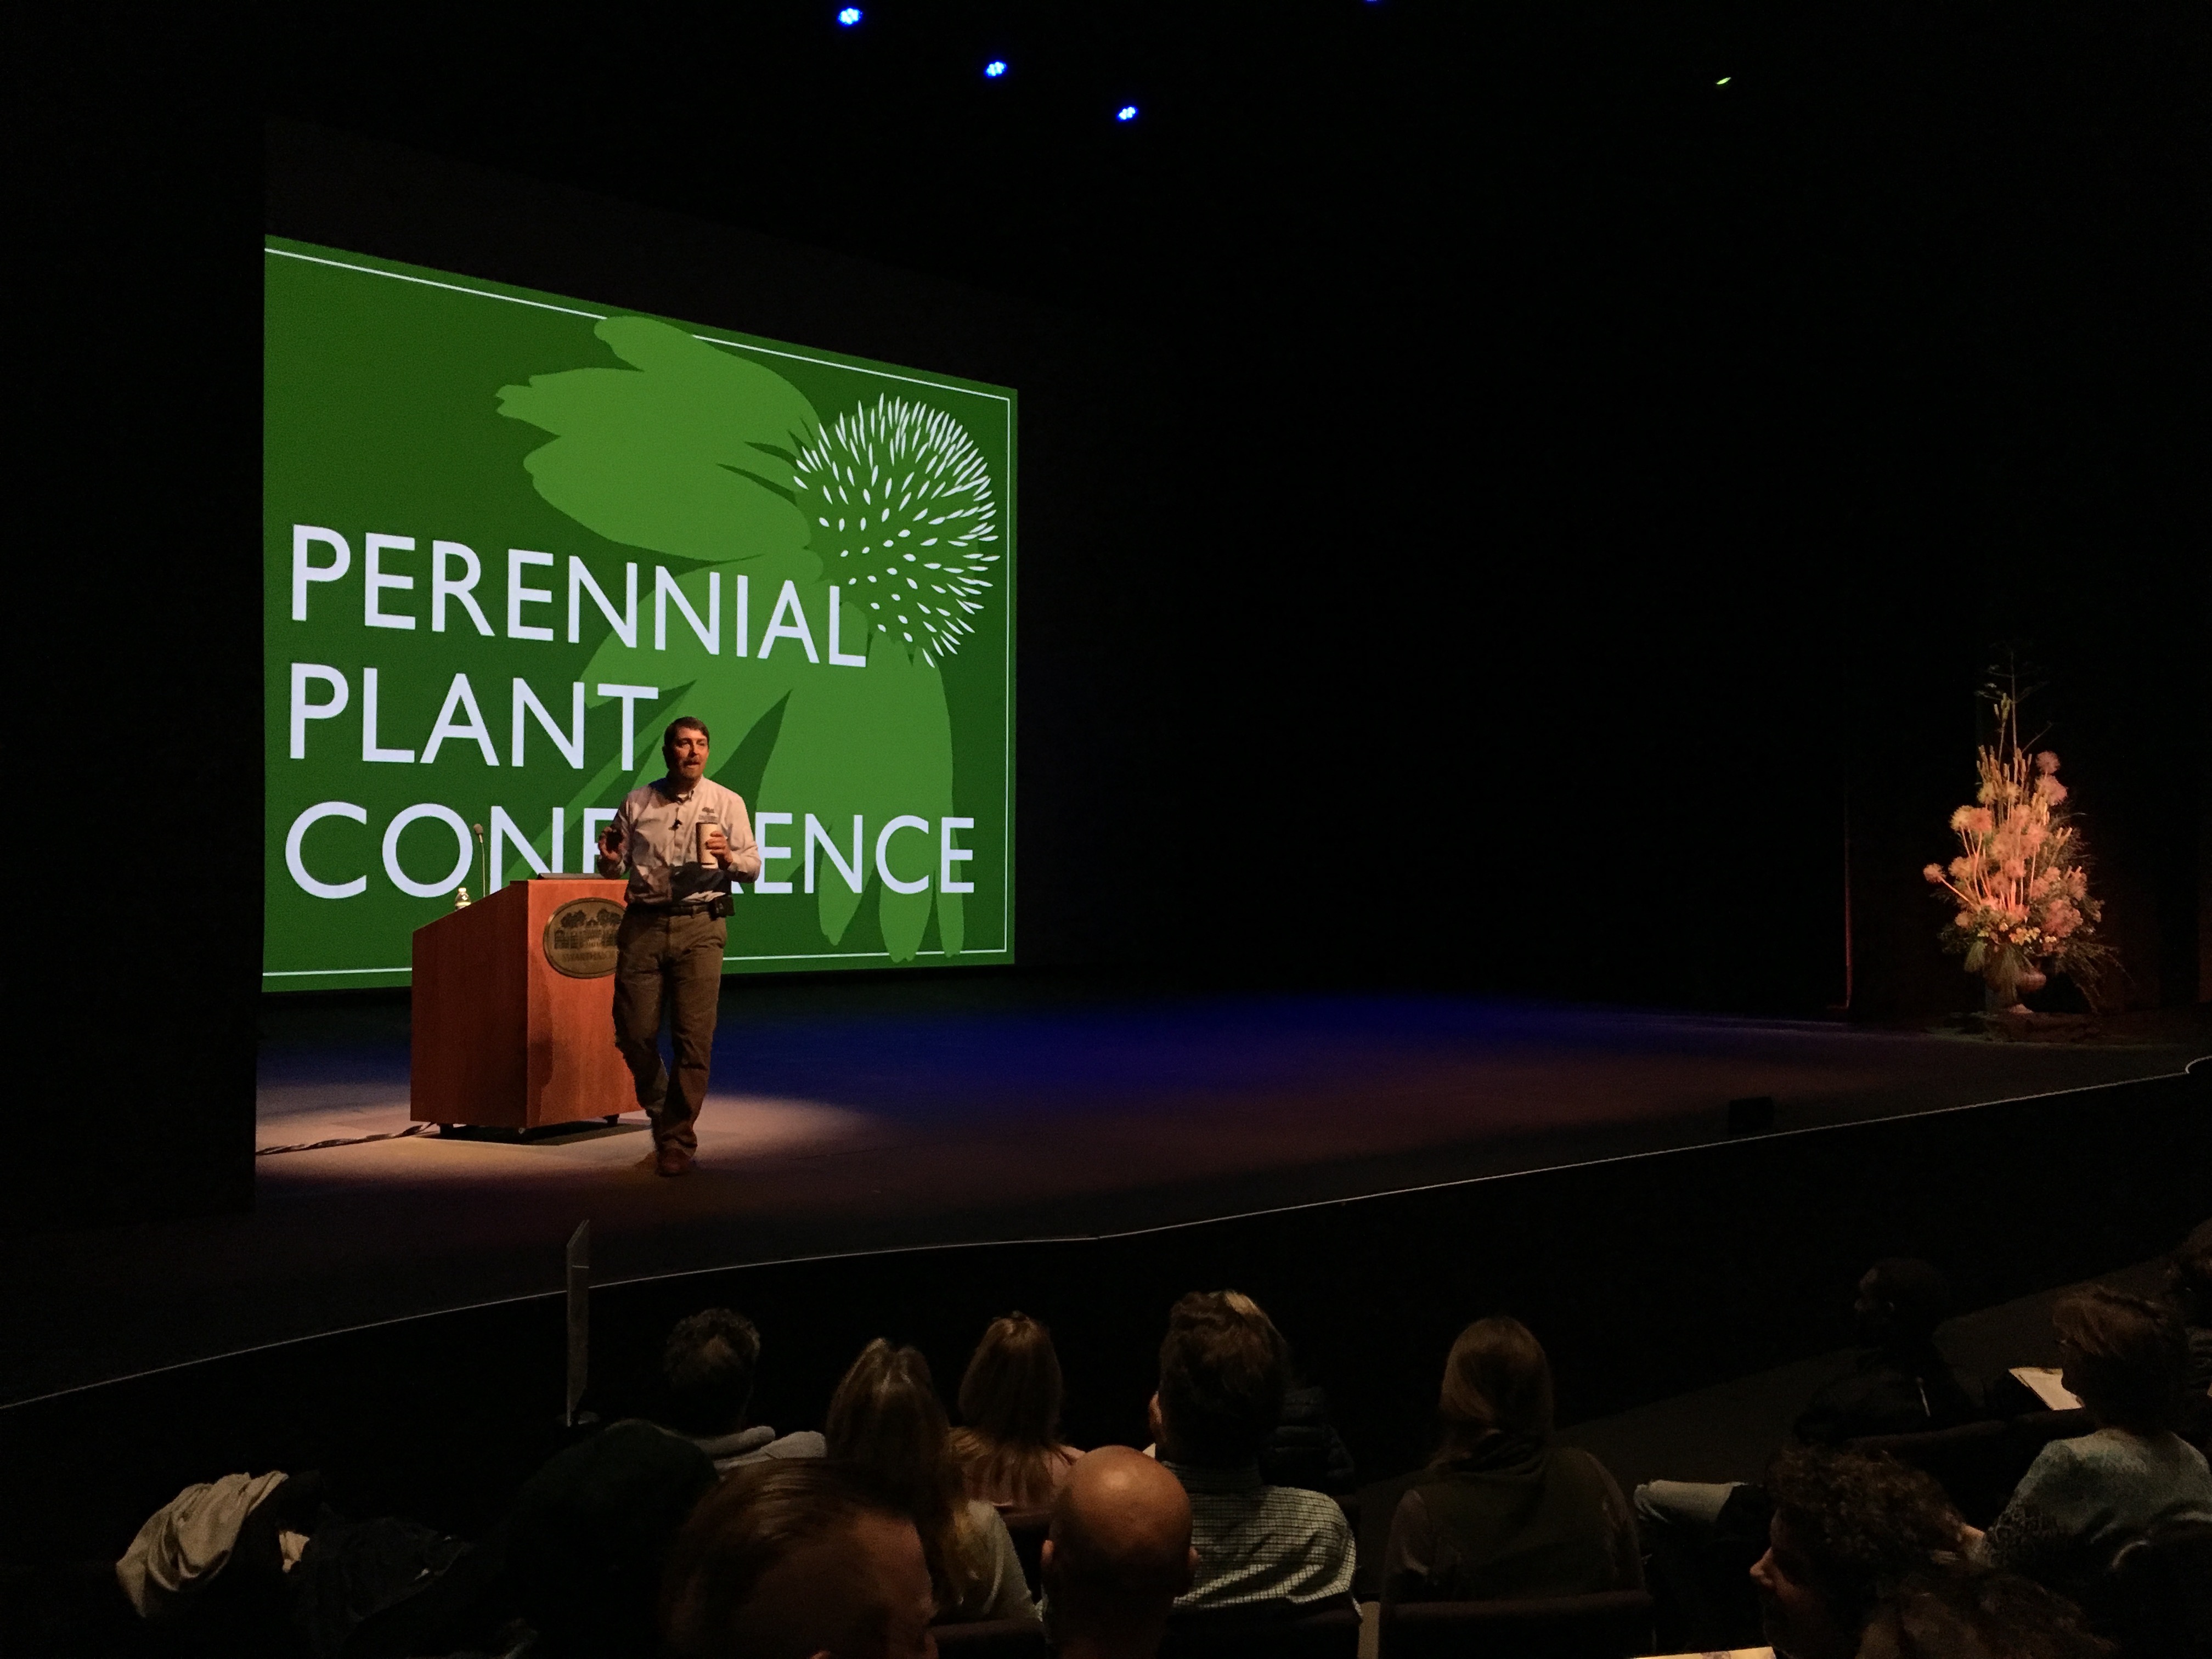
(855, 1118)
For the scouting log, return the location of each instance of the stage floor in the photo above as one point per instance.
(850, 1116)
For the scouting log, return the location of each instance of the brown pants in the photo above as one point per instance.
(676, 960)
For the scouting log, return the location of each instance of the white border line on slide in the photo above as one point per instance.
(1006, 671)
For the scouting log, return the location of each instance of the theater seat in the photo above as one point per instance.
(1370, 1512)
(1027, 1528)
(2158, 1603)
(1977, 1464)
(2033, 1431)
(1613, 1624)
(1243, 1633)
(75, 1607)
(992, 1638)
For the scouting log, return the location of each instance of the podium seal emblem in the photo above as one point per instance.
(579, 936)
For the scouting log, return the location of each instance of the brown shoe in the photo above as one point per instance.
(672, 1160)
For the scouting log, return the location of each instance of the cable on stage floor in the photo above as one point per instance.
(356, 1141)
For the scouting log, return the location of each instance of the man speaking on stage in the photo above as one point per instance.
(684, 839)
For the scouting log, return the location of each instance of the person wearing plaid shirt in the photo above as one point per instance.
(1223, 1369)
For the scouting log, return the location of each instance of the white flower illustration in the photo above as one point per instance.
(902, 494)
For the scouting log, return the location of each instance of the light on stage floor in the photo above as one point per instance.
(848, 16)
(1126, 113)
(994, 69)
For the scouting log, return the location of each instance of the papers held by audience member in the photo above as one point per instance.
(2045, 1384)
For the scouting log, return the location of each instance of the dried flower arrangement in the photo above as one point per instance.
(2020, 881)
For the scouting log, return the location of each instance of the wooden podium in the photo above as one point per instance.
(513, 1008)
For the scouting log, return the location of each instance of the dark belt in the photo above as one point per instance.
(713, 907)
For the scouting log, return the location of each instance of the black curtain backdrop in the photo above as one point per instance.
(1499, 507)
(134, 746)
(1399, 645)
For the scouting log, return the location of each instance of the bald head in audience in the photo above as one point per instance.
(1117, 1556)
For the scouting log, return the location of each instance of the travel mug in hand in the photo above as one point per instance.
(704, 828)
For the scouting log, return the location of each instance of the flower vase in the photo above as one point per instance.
(2007, 978)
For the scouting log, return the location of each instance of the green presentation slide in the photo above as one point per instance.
(508, 536)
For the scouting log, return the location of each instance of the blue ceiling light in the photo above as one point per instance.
(1126, 113)
(848, 16)
(994, 69)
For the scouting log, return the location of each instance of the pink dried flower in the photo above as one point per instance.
(2050, 789)
(1964, 920)
(1933, 872)
(2046, 762)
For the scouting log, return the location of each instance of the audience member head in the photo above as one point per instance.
(709, 1367)
(885, 1419)
(1847, 1531)
(1966, 1615)
(2123, 1354)
(1900, 1303)
(1009, 1400)
(1223, 1370)
(1237, 1302)
(1117, 1555)
(791, 1559)
(1496, 1380)
(2189, 1276)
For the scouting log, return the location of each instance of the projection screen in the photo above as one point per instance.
(508, 535)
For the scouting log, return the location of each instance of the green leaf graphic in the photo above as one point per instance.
(879, 744)
(685, 453)
(689, 453)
